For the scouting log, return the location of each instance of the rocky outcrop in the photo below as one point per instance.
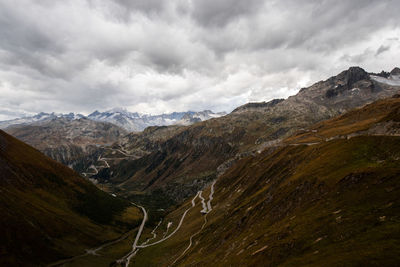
(256, 105)
(395, 71)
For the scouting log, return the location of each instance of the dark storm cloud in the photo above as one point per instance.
(382, 49)
(160, 56)
(210, 13)
(18, 34)
(143, 5)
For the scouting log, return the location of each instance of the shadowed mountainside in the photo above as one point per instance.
(49, 212)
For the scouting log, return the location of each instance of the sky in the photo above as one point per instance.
(160, 56)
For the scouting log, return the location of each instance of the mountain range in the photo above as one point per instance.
(175, 162)
(130, 121)
(73, 139)
(135, 122)
(311, 180)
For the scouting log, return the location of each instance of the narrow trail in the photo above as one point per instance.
(122, 151)
(190, 241)
(345, 137)
(153, 233)
(107, 165)
(176, 229)
(105, 161)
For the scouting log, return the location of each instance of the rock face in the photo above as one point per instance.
(73, 142)
(395, 71)
(257, 105)
(187, 157)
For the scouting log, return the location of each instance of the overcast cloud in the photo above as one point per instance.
(157, 56)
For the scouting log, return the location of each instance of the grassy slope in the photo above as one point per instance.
(331, 204)
(48, 211)
(357, 120)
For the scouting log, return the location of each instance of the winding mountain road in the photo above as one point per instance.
(203, 203)
(205, 211)
(127, 258)
(153, 232)
(107, 165)
(105, 161)
(210, 197)
(177, 228)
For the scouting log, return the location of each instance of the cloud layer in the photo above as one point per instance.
(158, 56)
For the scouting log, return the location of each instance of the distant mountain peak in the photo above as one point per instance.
(40, 117)
(95, 113)
(353, 75)
(133, 121)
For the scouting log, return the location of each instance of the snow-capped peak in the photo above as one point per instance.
(40, 117)
(133, 121)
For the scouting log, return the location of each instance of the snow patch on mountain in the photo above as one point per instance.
(40, 117)
(135, 122)
(130, 121)
(393, 80)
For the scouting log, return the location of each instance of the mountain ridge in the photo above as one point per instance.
(317, 199)
(187, 158)
(130, 121)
